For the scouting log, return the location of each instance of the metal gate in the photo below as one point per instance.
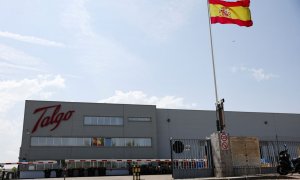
(191, 158)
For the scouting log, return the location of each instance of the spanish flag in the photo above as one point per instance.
(225, 12)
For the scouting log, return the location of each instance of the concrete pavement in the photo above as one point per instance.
(169, 177)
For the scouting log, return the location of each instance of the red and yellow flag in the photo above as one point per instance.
(225, 12)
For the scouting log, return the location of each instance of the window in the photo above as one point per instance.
(140, 119)
(131, 142)
(118, 142)
(42, 141)
(142, 142)
(103, 121)
(49, 141)
(108, 142)
(79, 142)
(60, 141)
(34, 141)
(57, 141)
(98, 142)
(88, 142)
(69, 141)
(100, 121)
(88, 120)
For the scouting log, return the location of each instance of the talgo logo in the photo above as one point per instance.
(54, 118)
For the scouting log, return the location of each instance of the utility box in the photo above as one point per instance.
(245, 155)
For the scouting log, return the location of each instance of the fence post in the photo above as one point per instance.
(171, 151)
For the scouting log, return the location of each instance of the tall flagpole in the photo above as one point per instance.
(219, 104)
(212, 53)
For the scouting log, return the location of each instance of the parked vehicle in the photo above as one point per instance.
(286, 164)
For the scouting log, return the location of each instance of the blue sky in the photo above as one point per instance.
(144, 52)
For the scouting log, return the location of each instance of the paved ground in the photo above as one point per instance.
(265, 176)
(169, 177)
(145, 177)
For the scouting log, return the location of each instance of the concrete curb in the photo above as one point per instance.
(263, 176)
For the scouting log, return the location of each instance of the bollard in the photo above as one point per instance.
(65, 172)
(133, 172)
(139, 172)
(136, 172)
(3, 174)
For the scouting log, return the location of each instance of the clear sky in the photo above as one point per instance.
(145, 52)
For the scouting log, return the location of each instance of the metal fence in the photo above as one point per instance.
(191, 158)
(269, 151)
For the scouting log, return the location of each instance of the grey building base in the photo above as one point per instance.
(33, 174)
(242, 171)
(192, 173)
(117, 172)
(268, 170)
